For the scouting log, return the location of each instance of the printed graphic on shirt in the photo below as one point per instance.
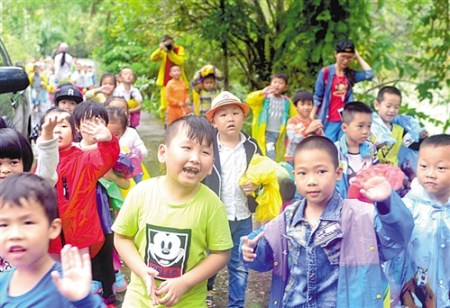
(167, 250)
(385, 152)
(340, 88)
(418, 290)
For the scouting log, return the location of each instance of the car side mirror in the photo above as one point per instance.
(13, 79)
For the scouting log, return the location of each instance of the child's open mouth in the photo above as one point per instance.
(192, 171)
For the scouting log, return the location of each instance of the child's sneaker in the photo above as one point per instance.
(121, 284)
(96, 287)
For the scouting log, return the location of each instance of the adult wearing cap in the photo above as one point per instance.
(67, 97)
(63, 64)
(233, 151)
(169, 54)
(333, 87)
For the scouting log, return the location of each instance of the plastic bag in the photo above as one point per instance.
(263, 171)
(393, 175)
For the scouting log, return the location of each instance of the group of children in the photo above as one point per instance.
(88, 151)
(176, 231)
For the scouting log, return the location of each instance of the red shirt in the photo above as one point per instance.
(339, 88)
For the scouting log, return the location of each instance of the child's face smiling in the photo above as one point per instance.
(25, 232)
(389, 107)
(108, 86)
(433, 171)
(187, 161)
(315, 176)
(9, 166)
(304, 108)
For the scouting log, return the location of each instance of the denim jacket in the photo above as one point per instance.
(322, 89)
(355, 240)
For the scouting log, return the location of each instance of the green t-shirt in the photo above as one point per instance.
(173, 239)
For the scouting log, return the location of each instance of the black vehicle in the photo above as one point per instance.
(14, 107)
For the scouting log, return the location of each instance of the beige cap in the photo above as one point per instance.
(225, 98)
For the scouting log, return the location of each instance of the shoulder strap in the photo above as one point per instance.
(325, 74)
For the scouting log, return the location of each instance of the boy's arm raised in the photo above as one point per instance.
(394, 222)
(255, 98)
(48, 158)
(364, 65)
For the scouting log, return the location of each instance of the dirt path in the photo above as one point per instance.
(151, 131)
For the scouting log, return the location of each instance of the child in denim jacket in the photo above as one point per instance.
(325, 251)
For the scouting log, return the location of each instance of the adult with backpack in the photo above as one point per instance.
(333, 87)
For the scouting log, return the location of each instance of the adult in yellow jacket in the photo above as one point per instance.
(169, 54)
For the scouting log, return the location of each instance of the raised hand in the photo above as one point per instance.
(248, 247)
(97, 129)
(267, 90)
(376, 189)
(75, 283)
(49, 125)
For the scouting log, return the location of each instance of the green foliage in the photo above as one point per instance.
(405, 42)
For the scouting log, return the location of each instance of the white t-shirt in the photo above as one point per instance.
(63, 72)
(132, 140)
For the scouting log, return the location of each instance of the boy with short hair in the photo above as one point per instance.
(301, 125)
(168, 224)
(325, 251)
(177, 96)
(132, 94)
(28, 220)
(271, 111)
(387, 105)
(355, 152)
(423, 271)
(333, 89)
(206, 85)
(233, 151)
